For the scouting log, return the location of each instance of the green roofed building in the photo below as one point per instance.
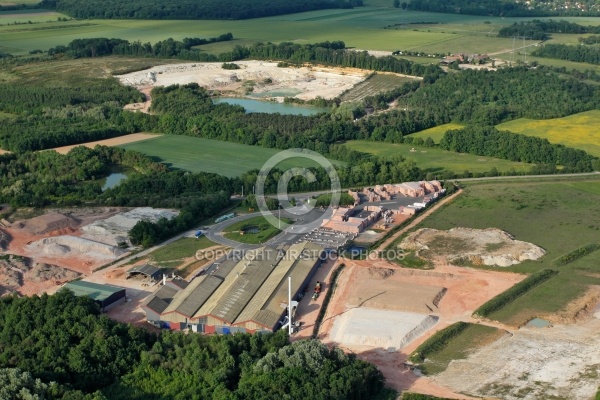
(105, 295)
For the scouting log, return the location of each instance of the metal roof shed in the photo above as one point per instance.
(104, 295)
(147, 270)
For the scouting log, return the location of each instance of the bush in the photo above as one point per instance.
(577, 254)
(511, 294)
(437, 342)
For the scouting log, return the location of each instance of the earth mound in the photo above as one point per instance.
(47, 223)
(466, 246)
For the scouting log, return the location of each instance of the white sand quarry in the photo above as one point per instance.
(269, 80)
(389, 330)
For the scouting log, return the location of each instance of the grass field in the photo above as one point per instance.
(27, 19)
(581, 131)
(14, 2)
(376, 84)
(437, 132)
(197, 154)
(558, 216)
(459, 347)
(360, 27)
(265, 232)
(436, 160)
(180, 249)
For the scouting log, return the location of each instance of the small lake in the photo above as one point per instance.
(538, 323)
(270, 107)
(117, 175)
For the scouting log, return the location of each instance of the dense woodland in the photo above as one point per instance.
(169, 48)
(490, 142)
(188, 9)
(580, 53)
(61, 347)
(540, 30)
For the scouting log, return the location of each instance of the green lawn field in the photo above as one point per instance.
(437, 132)
(436, 160)
(581, 131)
(558, 216)
(198, 154)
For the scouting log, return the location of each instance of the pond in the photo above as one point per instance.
(116, 176)
(538, 323)
(270, 107)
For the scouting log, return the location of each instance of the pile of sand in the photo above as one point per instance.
(72, 246)
(17, 271)
(47, 223)
(471, 246)
(44, 272)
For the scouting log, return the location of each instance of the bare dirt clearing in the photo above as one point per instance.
(134, 137)
(466, 289)
(267, 80)
(473, 246)
(532, 363)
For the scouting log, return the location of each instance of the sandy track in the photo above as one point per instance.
(4, 151)
(134, 137)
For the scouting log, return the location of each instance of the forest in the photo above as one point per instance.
(188, 9)
(539, 30)
(580, 53)
(62, 347)
(490, 142)
(98, 47)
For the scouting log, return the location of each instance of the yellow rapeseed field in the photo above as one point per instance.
(581, 131)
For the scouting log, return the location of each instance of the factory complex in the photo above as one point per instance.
(248, 293)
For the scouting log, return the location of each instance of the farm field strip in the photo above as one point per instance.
(374, 85)
(117, 141)
(432, 159)
(581, 131)
(437, 132)
(199, 154)
(359, 28)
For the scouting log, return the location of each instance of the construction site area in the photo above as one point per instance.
(260, 78)
(45, 251)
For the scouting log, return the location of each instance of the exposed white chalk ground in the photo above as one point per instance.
(390, 330)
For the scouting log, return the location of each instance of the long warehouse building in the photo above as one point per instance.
(242, 295)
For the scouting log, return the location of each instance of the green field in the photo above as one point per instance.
(180, 249)
(460, 346)
(198, 154)
(265, 232)
(581, 131)
(437, 132)
(360, 27)
(558, 216)
(436, 160)
(27, 19)
(375, 84)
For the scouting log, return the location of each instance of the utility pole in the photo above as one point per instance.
(279, 219)
(290, 305)
(242, 190)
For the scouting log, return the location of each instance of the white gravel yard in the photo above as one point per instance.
(374, 328)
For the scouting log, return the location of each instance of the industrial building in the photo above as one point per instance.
(352, 220)
(105, 295)
(241, 295)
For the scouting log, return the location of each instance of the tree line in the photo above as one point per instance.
(62, 347)
(188, 9)
(539, 30)
(490, 142)
(578, 53)
(98, 47)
